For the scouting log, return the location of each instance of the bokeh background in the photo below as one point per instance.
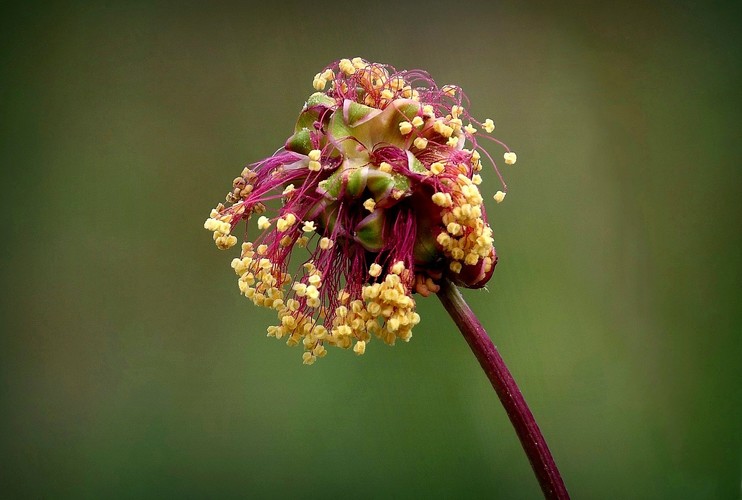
(130, 366)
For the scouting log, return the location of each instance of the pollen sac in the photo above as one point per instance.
(372, 200)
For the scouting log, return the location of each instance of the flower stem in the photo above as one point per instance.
(530, 436)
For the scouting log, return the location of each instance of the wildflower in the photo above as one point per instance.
(379, 184)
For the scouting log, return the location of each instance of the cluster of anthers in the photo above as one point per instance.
(377, 185)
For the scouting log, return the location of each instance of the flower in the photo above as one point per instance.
(377, 185)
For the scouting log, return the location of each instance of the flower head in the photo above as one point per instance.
(379, 188)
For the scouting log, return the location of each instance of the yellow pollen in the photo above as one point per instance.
(417, 122)
(499, 196)
(420, 143)
(360, 347)
(308, 226)
(314, 166)
(315, 154)
(385, 167)
(326, 243)
(510, 158)
(437, 168)
(405, 128)
(319, 82)
(453, 142)
(347, 67)
(263, 222)
(488, 125)
(374, 270)
(449, 90)
(398, 267)
(369, 204)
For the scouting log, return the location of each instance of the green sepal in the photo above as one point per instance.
(370, 231)
(354, 113)
(415, 165)
(401, 182)
(320, 99)
(330, 187)
(379, 183)
(312, 109)
(306, 120)
(300, 142)
(356, 181)
(426, 248)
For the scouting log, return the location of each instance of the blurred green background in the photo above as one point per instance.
(130, 366)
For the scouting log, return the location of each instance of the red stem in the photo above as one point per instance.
(530, 436)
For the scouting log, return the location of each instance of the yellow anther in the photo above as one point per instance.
(405, 128)
(456, 111)
(453, 142)
(315, 280)
(471, 259)
(314, 302)
(476, 179)
(289, 189)
(398, 267)
(488, 125)
(437, 168)
(300, 289)
(315, 154)
(308, 358)
(369, 204)
(499, 196)
(417, 122)
(263, 222)
(385, 167)
(470, 129)
(308, 226)
(420, 143)
(326, 243)
(288, 322)
(314, 166)
(510, 158)
(374, 270)
(360, 347)
(387, 94)
(428, 110)
(455, 266)
(347, 67)
(454, 228)
(319, 83)
(226, 242)
(312, 292)
(393, 324)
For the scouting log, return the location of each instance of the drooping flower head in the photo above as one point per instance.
(378, 187)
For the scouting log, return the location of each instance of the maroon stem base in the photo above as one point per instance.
(530, 436)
